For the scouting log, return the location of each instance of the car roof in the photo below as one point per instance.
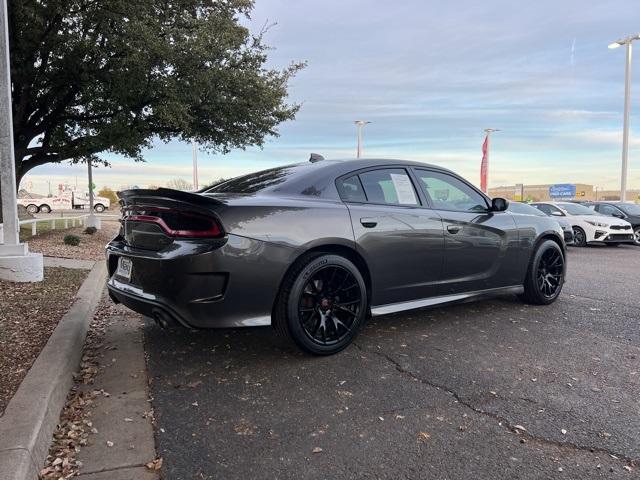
(317, 178)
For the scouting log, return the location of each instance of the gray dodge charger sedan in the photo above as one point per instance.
(315, 248)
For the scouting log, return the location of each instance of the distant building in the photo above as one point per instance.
(541, 193)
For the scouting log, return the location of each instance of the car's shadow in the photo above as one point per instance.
(263, 344)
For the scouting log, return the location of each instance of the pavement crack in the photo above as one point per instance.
(502, 421)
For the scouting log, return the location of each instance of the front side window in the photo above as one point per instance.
(390, 186)
(449, 193)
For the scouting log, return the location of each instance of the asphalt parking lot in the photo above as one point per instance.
(494, 389)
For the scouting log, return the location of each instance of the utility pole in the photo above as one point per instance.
(17, 264)
(194, 155)
(360, 125)
(627, 107)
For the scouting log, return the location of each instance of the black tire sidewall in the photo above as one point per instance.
(636, 231)
(32, 209)
(534, 294)
(295, 328)
(45, 209)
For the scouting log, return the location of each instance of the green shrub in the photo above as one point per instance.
(90, 230)
(73, 240)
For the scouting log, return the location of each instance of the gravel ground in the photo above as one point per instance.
(91, 247)
(29, 312)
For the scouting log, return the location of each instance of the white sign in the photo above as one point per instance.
(404, 189)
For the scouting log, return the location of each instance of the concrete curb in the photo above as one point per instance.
(28, 423)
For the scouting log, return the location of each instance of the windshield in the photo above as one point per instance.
(524, 209)
(576, 209)
(629, 208)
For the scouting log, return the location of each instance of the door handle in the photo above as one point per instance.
(453, 228)
(368, 222)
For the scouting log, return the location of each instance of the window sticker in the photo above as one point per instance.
(404, 189)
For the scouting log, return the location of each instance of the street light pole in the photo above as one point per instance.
(360, 124)
(194, 155)
(627, 107)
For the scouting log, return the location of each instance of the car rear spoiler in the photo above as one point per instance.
(160, 196)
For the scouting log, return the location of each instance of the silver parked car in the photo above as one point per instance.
(315, 248)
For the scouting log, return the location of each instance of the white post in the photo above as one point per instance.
(17, 264)
(625, 128)
(53, 224)
(34, 229)
(66, 223)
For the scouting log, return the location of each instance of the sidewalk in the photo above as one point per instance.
(109, 413)
(124, 440)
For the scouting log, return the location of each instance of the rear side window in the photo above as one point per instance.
(390, 186)
(351, 190)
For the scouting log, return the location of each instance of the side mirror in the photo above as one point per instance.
(499, 204)
(618, 214)
(556, 213)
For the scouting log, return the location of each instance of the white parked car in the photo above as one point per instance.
(588, 225)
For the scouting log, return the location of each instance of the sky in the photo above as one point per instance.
(431, 76)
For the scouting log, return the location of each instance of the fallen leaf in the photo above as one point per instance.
(520, 427)
(154, 464)
(316, 450)
(423, 436)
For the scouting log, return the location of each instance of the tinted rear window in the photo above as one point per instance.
(255, 182)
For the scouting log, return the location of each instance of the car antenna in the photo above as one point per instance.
(315, 157)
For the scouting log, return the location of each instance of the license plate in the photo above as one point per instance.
(124, 268)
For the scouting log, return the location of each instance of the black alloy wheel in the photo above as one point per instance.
(323, 304)
(579, 237)
(550, 272)
(545, 277)
(329, 304)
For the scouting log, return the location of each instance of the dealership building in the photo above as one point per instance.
(565, 191)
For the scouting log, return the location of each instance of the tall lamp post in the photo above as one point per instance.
(360, 125)
(17, 264)
(194, 157)
(627, 106)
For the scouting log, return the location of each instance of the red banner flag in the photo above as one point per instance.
(484, 166)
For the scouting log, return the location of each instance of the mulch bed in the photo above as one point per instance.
(51, 243)
(29, 312)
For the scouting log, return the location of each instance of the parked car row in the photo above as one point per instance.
(588, 223)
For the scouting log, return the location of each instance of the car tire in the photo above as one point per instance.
(99, 208)
(31, 208)
(636, 236)
(322, 303)
(579, 237)
(545, 275)
(45, 209)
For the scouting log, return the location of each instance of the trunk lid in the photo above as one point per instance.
(154, 219)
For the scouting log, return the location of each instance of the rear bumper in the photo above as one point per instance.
(200, 285)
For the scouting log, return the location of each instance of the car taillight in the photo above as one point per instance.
(175, 223)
